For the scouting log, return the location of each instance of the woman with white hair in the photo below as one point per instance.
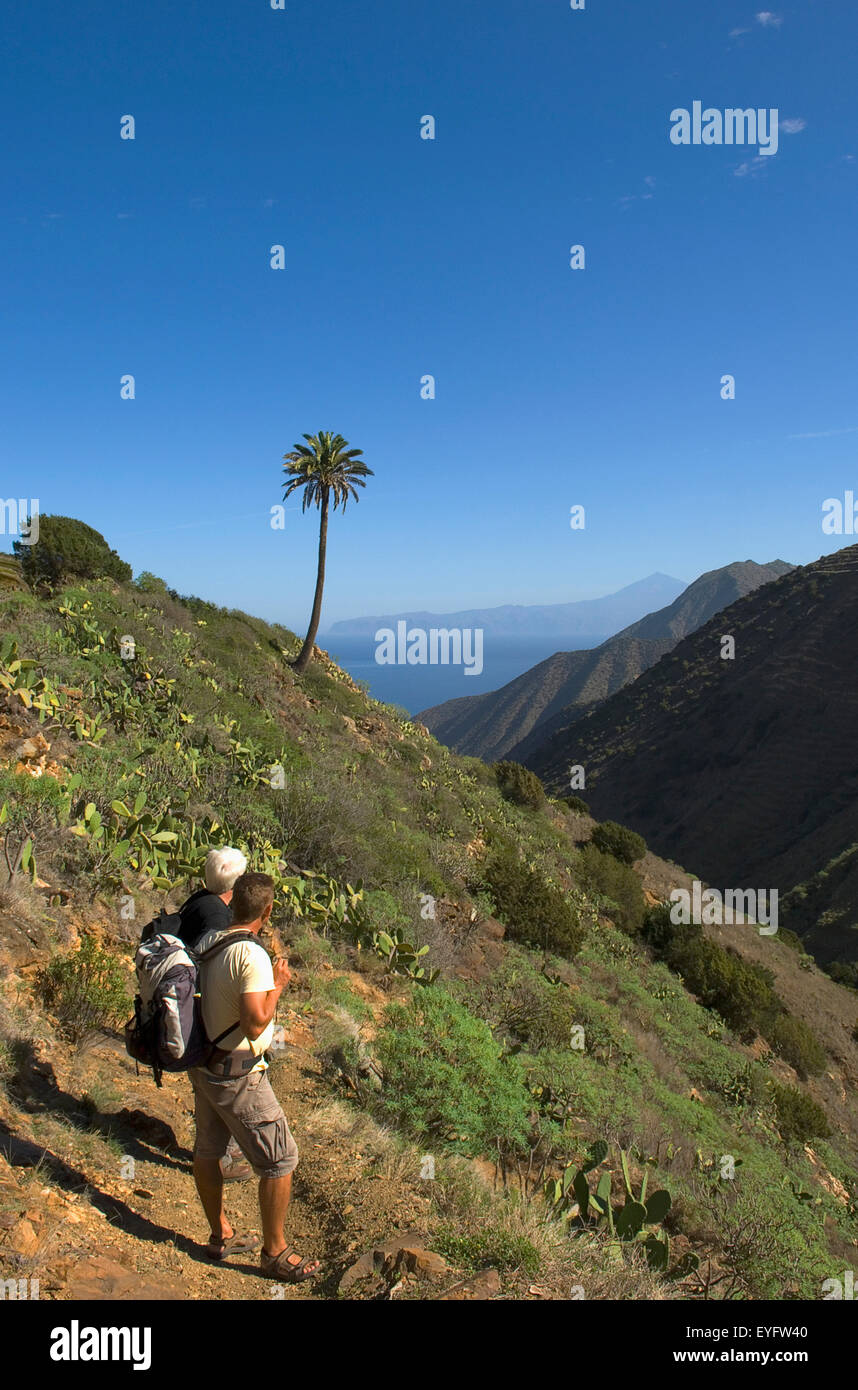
(208, 909)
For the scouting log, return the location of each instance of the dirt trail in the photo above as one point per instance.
(102, 1229)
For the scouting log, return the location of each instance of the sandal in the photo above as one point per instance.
(280, 1267)
(218, 1250)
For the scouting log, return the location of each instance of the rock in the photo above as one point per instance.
(425, 1262)
(99, 1278)
(23, 1239)
(383, 1259)
(481, 1286)
(144, 1192)
(33, 747)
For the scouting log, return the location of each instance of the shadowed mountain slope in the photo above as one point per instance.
(745, 768)
(509, 722)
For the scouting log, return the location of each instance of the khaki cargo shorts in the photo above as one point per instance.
(246, 1108)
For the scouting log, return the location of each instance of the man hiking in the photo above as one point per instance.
(232, 1092)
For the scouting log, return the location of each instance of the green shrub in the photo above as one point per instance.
(616, 886)
(85, 989)
(793, 1040)
(491, 1246)
(533, 910)
(618, 840)
(149, 583)
(519, 785)
(68, 549)
(799, 1117)
(738, 990)
(523, 1004)
(445, 1080)
(658, 931)
(843, 972)
(577, 804)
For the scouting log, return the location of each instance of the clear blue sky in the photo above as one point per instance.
(404, 257)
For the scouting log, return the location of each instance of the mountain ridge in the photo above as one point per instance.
(584, 617)
(757, 745)
(509, 722)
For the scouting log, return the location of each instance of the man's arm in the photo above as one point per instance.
(257, 1008)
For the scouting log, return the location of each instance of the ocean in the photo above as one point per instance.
(417, 687)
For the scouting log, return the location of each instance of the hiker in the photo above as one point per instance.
(232, 1092)
(208, 909)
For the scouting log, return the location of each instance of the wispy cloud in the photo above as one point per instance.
(736, 33)
(824, 434)
(753, 167)
(627, 198)
(769, 19)
(793, 125)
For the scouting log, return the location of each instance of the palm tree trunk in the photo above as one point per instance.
(306, 654)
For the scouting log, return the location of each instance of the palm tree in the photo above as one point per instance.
(324, 467)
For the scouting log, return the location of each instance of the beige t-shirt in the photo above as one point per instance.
(244, 968)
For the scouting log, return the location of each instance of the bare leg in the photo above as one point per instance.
(274, 1197)
(209, 1181)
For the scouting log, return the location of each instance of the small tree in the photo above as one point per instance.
(519, 785)
(799, 1117)
(68, 549)
(149, 583)
(618, 840)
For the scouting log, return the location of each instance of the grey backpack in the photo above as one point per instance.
(167, 1031)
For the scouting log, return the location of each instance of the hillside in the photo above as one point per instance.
(513, 721)
(481, 998)
(741, 767)
(585, 618)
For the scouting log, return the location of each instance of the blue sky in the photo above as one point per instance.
(451, 257)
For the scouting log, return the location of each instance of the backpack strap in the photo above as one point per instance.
(232, 939)
(220, 1037)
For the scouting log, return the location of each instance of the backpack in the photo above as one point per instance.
(167, 1031)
